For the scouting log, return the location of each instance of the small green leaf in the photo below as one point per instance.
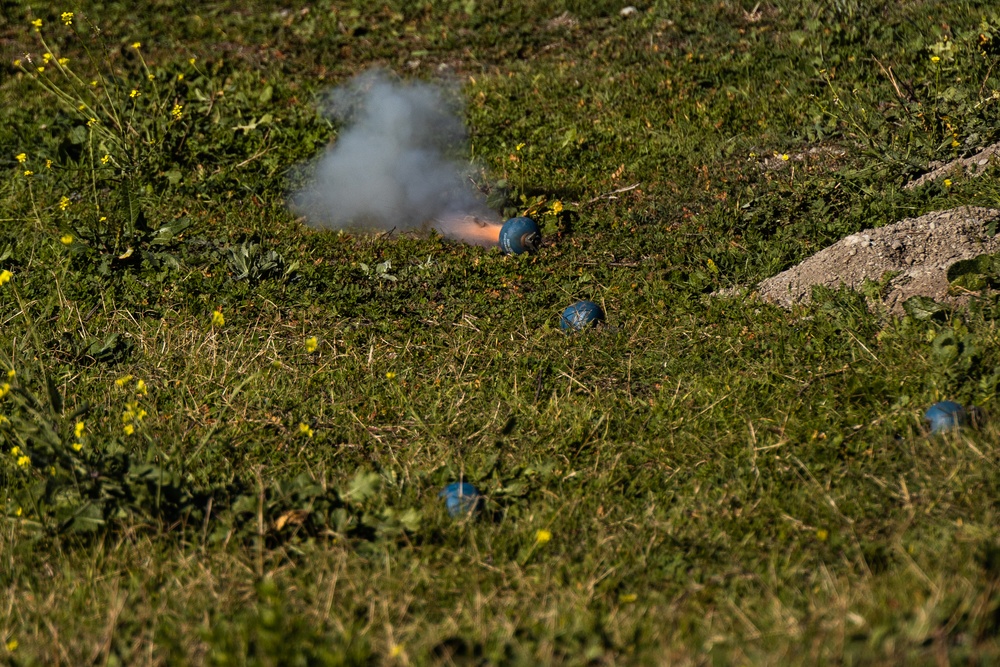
(364, 485)
(924, 308)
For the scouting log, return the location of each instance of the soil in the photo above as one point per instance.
(975, 165)
(918, 250)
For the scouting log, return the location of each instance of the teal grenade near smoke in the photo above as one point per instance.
(520, 235)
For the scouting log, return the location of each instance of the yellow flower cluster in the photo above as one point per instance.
(78, 432)
(4, 389)
(64, 203)
(67, 18)
(5, 276)
(66, 239)
(305, 430)
(217, 318)
(177, 112)
(132, 415)
(22, 459)
(311, 344)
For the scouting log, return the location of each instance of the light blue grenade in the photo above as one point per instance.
(520, 235)
(579, 315)
(945, 416)
(461, 498)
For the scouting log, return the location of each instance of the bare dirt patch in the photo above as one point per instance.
(917, 250)
(974, 165)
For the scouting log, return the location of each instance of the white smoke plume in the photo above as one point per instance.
(394, 164)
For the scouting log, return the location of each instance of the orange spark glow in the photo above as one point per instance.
(470, 228)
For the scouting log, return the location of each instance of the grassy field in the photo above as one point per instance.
(224, 433)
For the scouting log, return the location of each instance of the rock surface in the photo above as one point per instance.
(920, 250)
(974, 165)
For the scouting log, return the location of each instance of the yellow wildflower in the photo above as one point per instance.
(48, 164)
(628, 598)
(77, 446)
(134, 94)
(46, 57)
(947, 182)
(28, 172)
(5, 276)
(542, 536)
(218, 319)
(23, 461)
(311, 344)
(557, 207)
(11, 374)
(66, 239)
(105, 159)
(305, 430)
(4, 389)
(37, 23)
(92, 122)
(151, 76)
(822, 535)
(136, 45)
(124, 380)
(191, 61)
(21, 157)
(519, 147)
(17, 513)
(935, 59)
(390, 375)
(15, 451)
(67, 18)
(396, 651)
(79, 429)
(64, 203)
(177, 112)
(12, 643)
(133, 412)
(180, 77)
(129, 429)
(17, 63)
(41, 69)
(63, 61)
(140, 387)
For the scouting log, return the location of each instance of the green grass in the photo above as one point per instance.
(725, 482)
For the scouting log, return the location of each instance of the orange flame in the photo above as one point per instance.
(470, 228)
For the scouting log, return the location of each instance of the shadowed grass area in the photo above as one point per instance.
(224, 433)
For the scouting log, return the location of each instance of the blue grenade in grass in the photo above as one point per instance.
(461, 498)
(520, 235)
(579, 315)
(945, 416)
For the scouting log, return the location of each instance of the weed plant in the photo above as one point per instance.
(223, 434)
